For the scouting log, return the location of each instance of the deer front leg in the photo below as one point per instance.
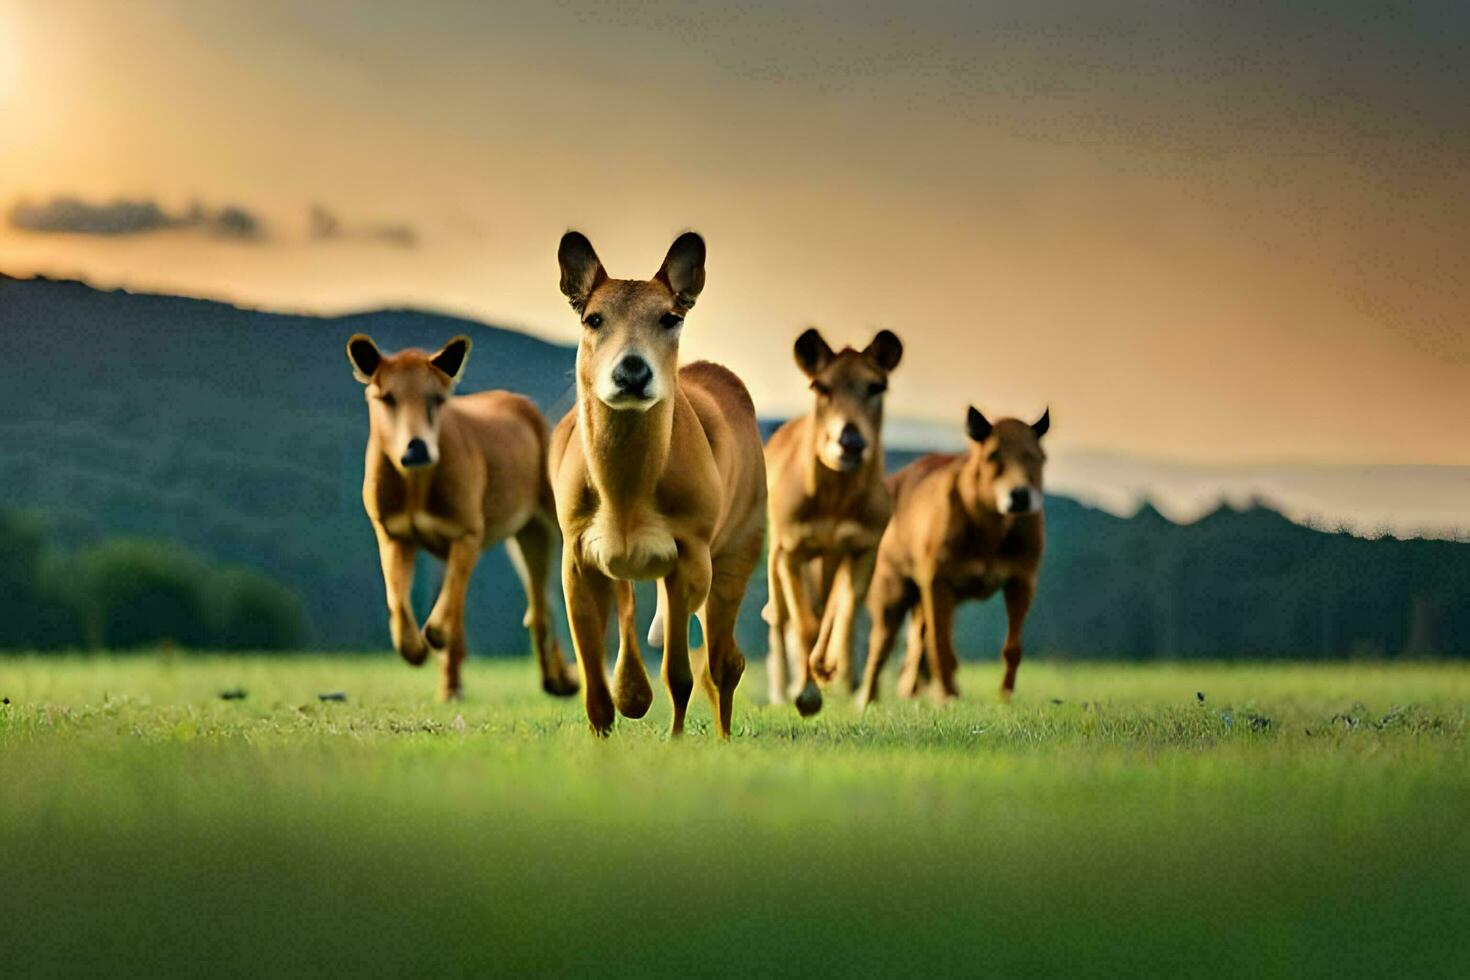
(444, 629)
(804, 629)
(887, 604)
(397, 557)
(533, 551)
(863, 565)
(726, 663)
(1018, 595)
(938, 606)
(913, 674)
(684, 591)
(777, 675)
(832, 657)
(587, 593)
(631, 691)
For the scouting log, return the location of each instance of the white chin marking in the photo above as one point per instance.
(832, 458)
(621, 401)
(1003, 501)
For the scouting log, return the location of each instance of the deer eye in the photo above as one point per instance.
(876, 388)
(387, 399)
(594, 321)
(822, 388)
(670, 320)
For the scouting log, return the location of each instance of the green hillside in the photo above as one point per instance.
(239, 435)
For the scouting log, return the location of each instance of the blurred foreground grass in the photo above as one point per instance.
(1300, 819)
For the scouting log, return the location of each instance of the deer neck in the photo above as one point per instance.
(627, 451)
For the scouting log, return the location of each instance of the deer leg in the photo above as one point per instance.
(684, 591)
(397, 558)
(913, 677)
(532, 551)
(887, 603)
(777, 616)
(861, 579)
(726, 662)
(631, 691)
(1018, 595)
(849, 591)
(834, 600)
(938, 606)
(805, 627)
(444, 629)
(587, 594)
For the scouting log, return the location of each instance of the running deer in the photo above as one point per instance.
(964, 527)
(828, 508)
(659, 476)
(453, 475)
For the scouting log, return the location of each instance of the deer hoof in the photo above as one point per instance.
(809, 701)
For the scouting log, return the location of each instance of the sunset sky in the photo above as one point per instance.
(1199, 232)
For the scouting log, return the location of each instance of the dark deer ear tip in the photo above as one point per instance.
(363, 355)
(886, 348)
(575, 245)
(1042, 425)
(690, 245)
(452, 357)
(977, 426)
(811, 339)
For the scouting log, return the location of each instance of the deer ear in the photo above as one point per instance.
(683, 269)
(812, 352)
(451, 359)
(1043, 424)
(886, 349)
(977, 426)
(364, 356)
(581, 269)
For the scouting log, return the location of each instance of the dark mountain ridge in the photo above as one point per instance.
(240, 433)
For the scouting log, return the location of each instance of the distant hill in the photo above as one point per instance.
(240, 434)
(237, 432)
(1372, 499)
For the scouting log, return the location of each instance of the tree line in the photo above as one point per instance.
(123, 592)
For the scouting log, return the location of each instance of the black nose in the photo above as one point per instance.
(851, 440)
(632, 375)
(1020, 499)
(416, 453)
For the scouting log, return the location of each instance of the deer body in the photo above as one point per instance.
(828, 506)
(658, 476)
(453, 476)
(965, 526)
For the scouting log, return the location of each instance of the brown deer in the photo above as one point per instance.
(454, 475)
(964, 527)
(658, 475)
(828, 506)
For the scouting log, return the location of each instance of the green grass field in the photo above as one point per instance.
(1300, 819)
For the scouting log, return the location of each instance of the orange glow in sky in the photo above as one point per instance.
(1200, 236)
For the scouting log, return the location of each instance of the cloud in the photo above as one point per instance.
(65, 214)
(326, 226)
